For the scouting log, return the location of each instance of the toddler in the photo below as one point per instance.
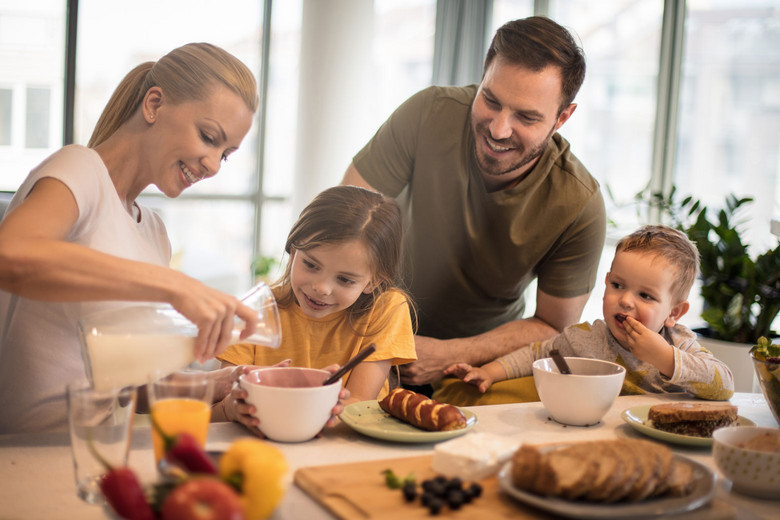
(646, 294)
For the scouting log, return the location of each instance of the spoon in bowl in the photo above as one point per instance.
(349, 365)
(560, 362)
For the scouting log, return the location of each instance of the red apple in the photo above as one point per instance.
(203, 498)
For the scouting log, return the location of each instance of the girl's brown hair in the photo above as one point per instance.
(187, 73)
(345, 213)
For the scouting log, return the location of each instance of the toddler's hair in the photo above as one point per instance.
(345, 213)
(670, 244)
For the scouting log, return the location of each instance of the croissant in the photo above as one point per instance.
(424, 413)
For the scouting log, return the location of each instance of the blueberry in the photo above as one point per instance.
(455, 483)
(455, 499)
(475, 489)
(439, 489)
(435, 505)
(410, 491)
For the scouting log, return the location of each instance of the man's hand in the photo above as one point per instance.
(433, 356)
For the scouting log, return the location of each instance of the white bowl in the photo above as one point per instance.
(751, 472)
(582, 397)
(292, 404)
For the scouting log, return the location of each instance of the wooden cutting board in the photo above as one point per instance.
(357, 491)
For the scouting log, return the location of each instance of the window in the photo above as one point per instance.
(32, 52)
(335, 76)
(612, 129)
(38, 114)
(729, 119)
(6, 96)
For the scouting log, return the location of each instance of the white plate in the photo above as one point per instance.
(368, 418)
(637, 417)
(702, 492)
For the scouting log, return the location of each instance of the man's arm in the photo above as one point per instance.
(352, 177)
(552, 315)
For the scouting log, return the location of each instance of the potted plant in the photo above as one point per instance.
(740, 291)
(262, 267)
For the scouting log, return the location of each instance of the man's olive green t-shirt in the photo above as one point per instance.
(469, 255)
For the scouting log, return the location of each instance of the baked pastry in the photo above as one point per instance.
(417, 410)
(628, 470)
(698, 419)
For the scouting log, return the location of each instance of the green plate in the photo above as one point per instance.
(369, 419)
(637, 417)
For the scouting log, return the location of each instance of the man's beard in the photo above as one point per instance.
(493, 167)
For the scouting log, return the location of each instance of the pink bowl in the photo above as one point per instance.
(287, 377)
(291, 402)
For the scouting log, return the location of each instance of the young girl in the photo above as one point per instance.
(337, 295)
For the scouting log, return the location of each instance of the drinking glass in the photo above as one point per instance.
(100, 425)
(180, 402)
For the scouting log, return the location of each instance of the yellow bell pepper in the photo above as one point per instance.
(260, 468)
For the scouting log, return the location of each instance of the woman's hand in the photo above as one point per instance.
(213, 312)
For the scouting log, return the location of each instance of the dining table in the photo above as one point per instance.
(37, 482)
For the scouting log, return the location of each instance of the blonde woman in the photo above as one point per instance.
(74, 237)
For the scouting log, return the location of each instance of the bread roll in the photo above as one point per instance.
(417, 410)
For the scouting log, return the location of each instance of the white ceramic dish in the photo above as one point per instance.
(368, 418)
(582, 397)
(292, 403)
(637, 418)
(751, 472)
(702, 493)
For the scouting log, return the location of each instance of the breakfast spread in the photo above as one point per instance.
(698, 419)
(421, 412)
(628, 470)
(767, 441)
(474, 456)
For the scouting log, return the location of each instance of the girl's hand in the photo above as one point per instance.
(478, 377)
(344, 395)
(238, 410)
(235, 407)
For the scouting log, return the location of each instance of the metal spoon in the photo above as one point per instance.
(560, 362)
(349, 365)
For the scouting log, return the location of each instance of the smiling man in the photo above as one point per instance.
(493, 198)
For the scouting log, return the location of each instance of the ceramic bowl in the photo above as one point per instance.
(292, 404)
(751, 472)
(768, 375)
(582, 397)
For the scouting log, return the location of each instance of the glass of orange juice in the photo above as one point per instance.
(180, 402)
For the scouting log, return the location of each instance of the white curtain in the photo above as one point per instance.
(460, 41)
